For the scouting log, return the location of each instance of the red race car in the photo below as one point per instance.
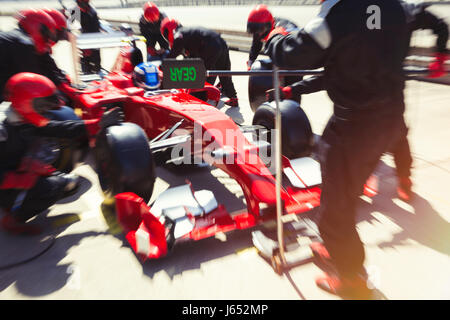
(169, 124)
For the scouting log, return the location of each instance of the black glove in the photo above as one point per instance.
(285, 93)
(111, 117)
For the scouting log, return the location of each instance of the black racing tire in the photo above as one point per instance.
(258, 85)
(297, 137)
(124, 160)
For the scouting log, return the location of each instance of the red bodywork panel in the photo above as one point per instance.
(158, 113)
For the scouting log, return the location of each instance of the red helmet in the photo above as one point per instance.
(31, 95)
(168, 27)
(60, 21)
(40, 27)
(260, 21)
(151, 12)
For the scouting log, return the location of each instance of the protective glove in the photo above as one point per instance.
(152, 51)
(249, 64)
(437, 67)
(111, 117)
(285, 93)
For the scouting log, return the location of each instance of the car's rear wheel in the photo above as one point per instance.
(297, 137)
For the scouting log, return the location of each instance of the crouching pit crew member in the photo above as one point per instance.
(28, 185)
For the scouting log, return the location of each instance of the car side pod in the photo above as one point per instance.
(209, 93)
(143, 231)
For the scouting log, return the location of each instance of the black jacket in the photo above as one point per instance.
(17, 54)
(257, 43)
(152, 32)
(89, 21)
(363, 61)
(198, 42)
(417, 18)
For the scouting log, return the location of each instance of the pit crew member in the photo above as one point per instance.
(29, 185)
(260, 23)
(90, 23)
(365, 82)
(418, 18)
(28, 49)
(198, 42)
(150, 27)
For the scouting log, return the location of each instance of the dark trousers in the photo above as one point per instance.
(349, 152)
(402, 154)
(90, 61)
(221, 61)
(43, 195)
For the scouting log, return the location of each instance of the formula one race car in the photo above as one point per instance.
(184, 125)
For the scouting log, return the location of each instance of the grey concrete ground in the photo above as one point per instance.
(407, 245)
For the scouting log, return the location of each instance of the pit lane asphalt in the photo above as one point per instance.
(407, 245)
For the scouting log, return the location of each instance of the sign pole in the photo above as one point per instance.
(278, 134)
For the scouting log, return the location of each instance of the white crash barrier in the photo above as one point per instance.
(101, 40)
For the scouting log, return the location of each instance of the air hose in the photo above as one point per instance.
(52, 240)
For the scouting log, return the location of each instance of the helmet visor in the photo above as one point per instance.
(258, 28)
(63, 34)
(48, 35)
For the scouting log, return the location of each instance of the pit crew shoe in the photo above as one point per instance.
(348, 288)
(72, 184)
(404, 189)
(232, 102)
(322, 257)
(371, 186)
(14, 226)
